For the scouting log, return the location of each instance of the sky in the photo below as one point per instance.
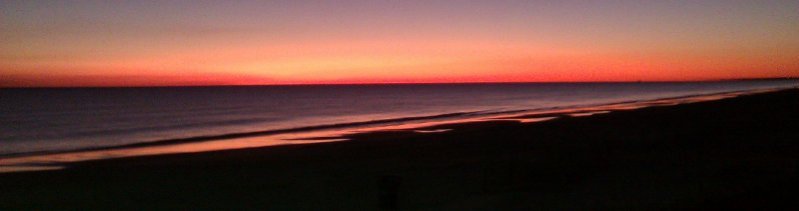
(175, 43)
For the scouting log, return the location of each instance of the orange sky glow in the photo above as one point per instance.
(182, 43)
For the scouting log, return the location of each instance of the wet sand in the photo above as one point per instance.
(732, 153)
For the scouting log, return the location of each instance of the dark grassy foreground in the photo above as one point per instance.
(733, 153)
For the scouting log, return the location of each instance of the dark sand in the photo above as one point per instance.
(733, 153)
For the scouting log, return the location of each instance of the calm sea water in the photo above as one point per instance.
(37, 120)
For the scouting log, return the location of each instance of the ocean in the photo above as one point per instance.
(46, 120)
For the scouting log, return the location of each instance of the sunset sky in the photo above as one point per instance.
(157, 43)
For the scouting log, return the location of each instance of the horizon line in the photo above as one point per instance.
(406, 83)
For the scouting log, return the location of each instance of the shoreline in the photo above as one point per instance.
(731, 153)
(55, 160)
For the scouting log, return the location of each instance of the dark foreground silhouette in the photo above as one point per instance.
(733, 153)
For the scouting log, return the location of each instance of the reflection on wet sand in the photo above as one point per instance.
(432, 131)
(588, 113)
(56, 160)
